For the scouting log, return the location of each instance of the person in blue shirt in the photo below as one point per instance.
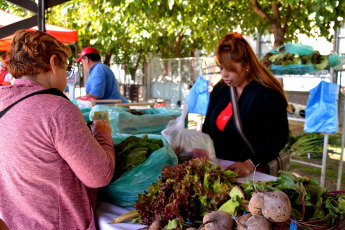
(101, 83)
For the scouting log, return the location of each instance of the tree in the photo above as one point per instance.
(13, 9)
(285, 19)
(129, 30)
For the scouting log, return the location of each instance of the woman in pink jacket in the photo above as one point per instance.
(50, 161)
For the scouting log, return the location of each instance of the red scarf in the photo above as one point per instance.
(224, 117)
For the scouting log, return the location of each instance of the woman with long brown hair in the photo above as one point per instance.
(262, 106)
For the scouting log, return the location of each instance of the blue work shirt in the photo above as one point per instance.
(102, 83)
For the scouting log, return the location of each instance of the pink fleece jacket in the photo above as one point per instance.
(50, 162)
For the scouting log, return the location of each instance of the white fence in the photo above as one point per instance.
(173, 77)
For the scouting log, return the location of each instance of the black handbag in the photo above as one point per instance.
(281, 162)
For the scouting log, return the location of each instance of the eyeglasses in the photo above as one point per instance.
(70, 71)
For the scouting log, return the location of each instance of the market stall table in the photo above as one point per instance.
(106, 212)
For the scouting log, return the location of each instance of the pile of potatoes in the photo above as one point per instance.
(264, 207)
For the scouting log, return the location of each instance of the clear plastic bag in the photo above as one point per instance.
(153, 121)
(321, 113)
(186, 143)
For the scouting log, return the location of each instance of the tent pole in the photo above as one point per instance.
(78, 65)
(324, 158)
(340, 169)
(41, 15)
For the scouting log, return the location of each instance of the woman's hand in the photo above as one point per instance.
(242, 168)
(100, 125)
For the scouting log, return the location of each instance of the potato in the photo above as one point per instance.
(277, 206)
(258, 222)
(242, 221)
(156, 225)
(218, 220)
(256, 203)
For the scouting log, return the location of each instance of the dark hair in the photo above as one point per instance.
(30, 53)
(233, 48)
(92, 56)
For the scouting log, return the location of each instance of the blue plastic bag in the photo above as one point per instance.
(124, 190)
(321, 113)
(198, 97)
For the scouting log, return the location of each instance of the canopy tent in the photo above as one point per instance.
(62, 34)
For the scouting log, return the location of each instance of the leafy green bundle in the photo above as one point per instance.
(319, 61)
(133, 151)
(313, 207)
(185, 192)
(307, 143)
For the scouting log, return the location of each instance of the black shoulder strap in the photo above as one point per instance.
(237, 118)
(53, 91)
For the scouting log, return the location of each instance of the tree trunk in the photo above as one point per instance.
(107, 59)
(177, 45)
(277, 28)
(132, 68)
(278, 33)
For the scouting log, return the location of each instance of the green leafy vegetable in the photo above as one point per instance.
(185, 192)
(236, 202)
(133, 151)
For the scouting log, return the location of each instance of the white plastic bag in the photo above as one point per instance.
(186, 143)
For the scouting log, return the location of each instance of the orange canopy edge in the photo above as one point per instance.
(64, 35)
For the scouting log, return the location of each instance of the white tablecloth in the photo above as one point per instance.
(106, 212)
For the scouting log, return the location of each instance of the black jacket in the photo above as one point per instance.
(264, 119)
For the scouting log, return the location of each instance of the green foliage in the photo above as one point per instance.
(132, 31)
(14, 9)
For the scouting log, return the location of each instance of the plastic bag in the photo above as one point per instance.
(294, 49)
(153, 121)
(198, 97)
(86, 113)
(321, 114)
(293, 69)
(124, 191)
(186, 143)
(335, 59)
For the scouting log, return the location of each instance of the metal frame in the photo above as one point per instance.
(37, 20)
